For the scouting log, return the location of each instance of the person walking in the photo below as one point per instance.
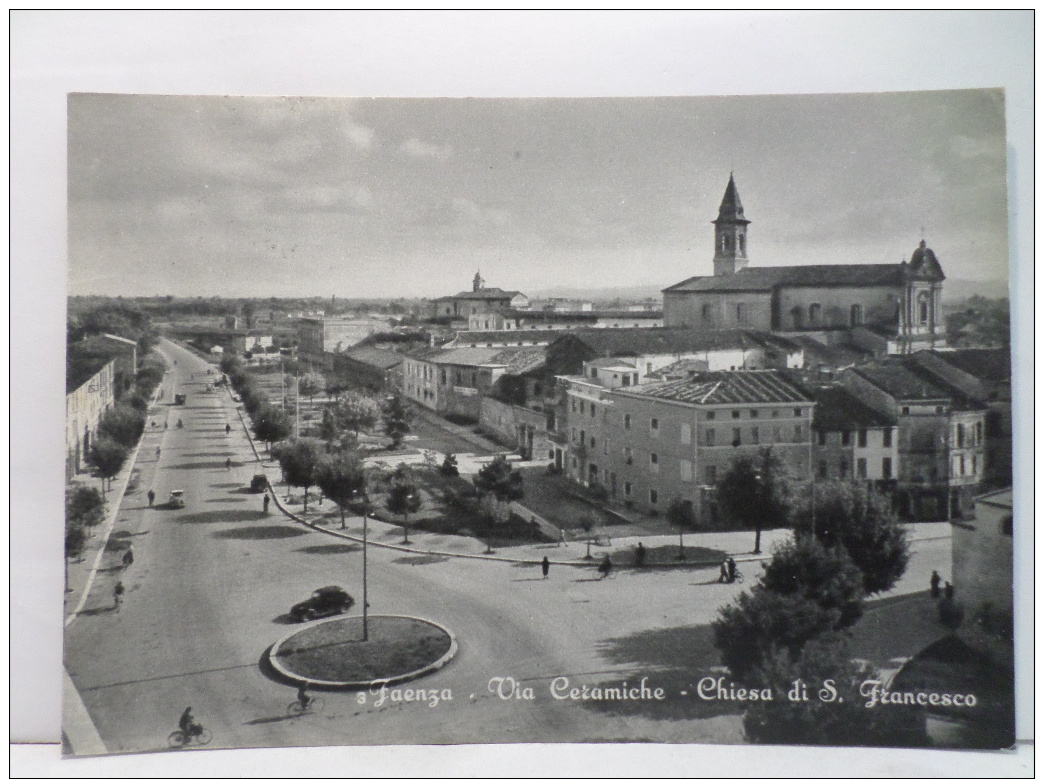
(117, 595)
(228, 463)
(605, 567)
(639, 555)
(152, 497)
(128, 558)
(265, 503)
(228, 429)
(545, 566)
(934, 582)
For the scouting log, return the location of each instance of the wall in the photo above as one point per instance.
(834, 450)
(520, 428)
(686, 308)
(84, 406)
(880, 306)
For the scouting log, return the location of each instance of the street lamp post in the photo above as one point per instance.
(366, 602)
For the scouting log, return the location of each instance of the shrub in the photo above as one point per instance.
(259, 483)
(951, 613)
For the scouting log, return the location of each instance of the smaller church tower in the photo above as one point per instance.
(478, 282)
(730, 233)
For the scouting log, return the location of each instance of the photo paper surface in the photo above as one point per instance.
(443, 421)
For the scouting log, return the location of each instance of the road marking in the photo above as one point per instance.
(77, 724)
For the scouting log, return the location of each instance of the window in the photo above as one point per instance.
(605, 446)
(627, 380)
(742, 242)
(797, 412)
(886, 468)
(594, 373)
(960, 436)
(712, 474)
(654, 462)
(815, 311)
(707, 312)
(628, 456)
(582, 409)
(686, 470)
(627, 488)
(593, 410)
(735, 413)
(978, 433)
(798, 435)
(574, 405)
(753, 413)
(582, 438)
(861, 467)
(846, 438)
(627, 421)
(710, 437)
(842, 467)
(960, 460)
(710, 415)
(888, 437)
(652, 496)
(736, 439)
(822, 469)
(741, 313)
(856, 317)
(777, 434)
(862, 439)
(822, 437)
(654, 425)
(906, 411)
(686, 433)
(755, 437)
(593, 444)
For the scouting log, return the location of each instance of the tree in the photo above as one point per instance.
(271, 424)
(403, 497)
(311, 384)
(341, 478)
(849, 516)
(357, 413)
(107, 457)
(75, 542)
(754, 492)
(682, 515)
(396, 419)
(84, 506)
(825, 575)
(449, 466)
(806, 591)
(841, 719)
(298, 459)
(498, 479)
(123, 423)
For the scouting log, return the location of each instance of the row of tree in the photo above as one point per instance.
(792, 625)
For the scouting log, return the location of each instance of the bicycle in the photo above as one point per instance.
(314, 706)
(199, 734)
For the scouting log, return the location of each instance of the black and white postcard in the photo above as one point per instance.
(679, 420)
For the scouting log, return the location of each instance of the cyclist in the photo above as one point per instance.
(188, 725)
(605, 567)
(303, 697)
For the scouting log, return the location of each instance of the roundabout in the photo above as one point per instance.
(333, 654)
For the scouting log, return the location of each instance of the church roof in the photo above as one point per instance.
(767, 279)
(486, 293)
(731, 209)
(727, 387)
(924, 263)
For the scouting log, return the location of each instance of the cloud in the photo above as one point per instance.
(415, 147)
(360, 136)
(327, 198)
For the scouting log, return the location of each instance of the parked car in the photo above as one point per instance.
(177, 499)
(179, 399)
(325, 602)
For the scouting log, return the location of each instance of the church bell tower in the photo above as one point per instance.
(730, 233)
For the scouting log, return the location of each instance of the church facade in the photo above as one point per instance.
(887, 309)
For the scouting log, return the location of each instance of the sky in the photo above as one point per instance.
(269, 196)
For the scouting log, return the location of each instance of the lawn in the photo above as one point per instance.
(335, 652)
(555, 500)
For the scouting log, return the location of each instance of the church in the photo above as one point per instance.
(885, 309)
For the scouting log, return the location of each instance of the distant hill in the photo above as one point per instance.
(958, 290)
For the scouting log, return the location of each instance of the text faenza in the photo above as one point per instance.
(874, 693)
(382, 695)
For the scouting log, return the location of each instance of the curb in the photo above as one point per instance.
(326, 684)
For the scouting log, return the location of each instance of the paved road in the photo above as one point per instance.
(212, 582)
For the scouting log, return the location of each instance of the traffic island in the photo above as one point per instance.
(333, 654)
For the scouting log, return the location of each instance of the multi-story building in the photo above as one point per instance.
(891, 308)
(656, 442)
(85, 402)
(852, 441)
(563, 320)
(941, 450)
(479, 300)
(319, 338)
(453, 381)
(368, 368)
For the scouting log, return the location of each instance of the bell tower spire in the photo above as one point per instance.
(730, 233)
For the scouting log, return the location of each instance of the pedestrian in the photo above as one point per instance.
(563, 542)
(164, 424)
(152, 497)
(639, 555)
(948, 591)
(128, 558)
(605, 567)
(228, 429)
(228, 463)
(934, 581)
(117, 595)
(732, 568)
(545, 566)
(266, 503)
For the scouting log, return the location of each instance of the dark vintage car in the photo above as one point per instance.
(325, 602)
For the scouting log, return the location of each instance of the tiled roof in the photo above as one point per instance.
(379, 358)
(634, 341)
(483, 355)
(839, 356)
(488, 293)
(984, 364)
(900, 382)
(765, 279)
(838, 410)
(728, 387)
(504, 337)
